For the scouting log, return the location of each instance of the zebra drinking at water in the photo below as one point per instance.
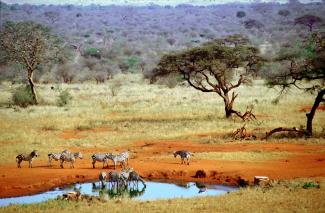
(184, 155)
(121, 158)
(56, 156)
(24, 157)
(134, 177)
(100, 158)
(69, 157)
(116, 179)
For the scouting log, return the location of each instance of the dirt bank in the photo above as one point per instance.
(303, 161)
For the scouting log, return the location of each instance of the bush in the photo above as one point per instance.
(240, 14)
(23, 96)
(64, 98)
(93, 52)
(284, 13)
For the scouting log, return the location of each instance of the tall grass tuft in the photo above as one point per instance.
(64, 98)
(23, 96)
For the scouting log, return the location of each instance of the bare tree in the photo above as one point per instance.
(307, 63)
(26, 43)
(212, 68)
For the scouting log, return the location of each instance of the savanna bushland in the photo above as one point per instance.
(240, 85)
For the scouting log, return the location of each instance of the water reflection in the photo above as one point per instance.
(123, 191)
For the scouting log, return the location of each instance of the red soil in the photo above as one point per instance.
(304, 161)
(75, 134)
(308, 108)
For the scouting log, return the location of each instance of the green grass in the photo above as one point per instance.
(284, 196)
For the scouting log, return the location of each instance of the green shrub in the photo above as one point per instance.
(23, 96)
(93, 52)
(310, 185)
(64, 98)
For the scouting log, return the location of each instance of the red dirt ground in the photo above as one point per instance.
(308, 108)
(304, 161)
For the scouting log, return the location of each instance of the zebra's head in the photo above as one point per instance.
(78, 155)
(34, 153)
(175, 154)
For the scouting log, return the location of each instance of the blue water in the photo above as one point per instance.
(153, 191)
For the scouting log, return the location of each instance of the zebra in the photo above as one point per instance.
(29, 157)
(56, 156)
(116, 179)
(100, 158)
(126, 156)
(125, 173)
(117, 159)
(102, 177)
(134, 177)
(184, 155)
(69, 157)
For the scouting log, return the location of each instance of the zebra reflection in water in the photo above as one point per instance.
(112, 191)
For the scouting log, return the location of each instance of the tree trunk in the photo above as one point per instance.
(228, 106)
(311, 114)
(32, 86)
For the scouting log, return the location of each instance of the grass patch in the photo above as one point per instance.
(242, 156)
(235, 156)
(155, 112)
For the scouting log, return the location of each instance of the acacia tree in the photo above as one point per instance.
(308, 20)
(26, 43)
(212, 67)
(305, 63)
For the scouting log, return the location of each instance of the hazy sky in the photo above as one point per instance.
(139, 2)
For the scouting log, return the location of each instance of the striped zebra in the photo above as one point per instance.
(125, 173)
(100, 158)
(24, 157)
(117, 159)
(56, 156)
(102, 178)
(116, 179)
(134, 177)
(69, 157)
(126, 156)
(184, 155)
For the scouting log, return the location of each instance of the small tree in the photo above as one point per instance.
(26, 43)
(305, 63)
(212, 68)
(284, 13)
(308, 20)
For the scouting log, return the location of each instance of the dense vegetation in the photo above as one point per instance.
(99, 41)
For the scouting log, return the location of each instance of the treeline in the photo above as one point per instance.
(95, 42)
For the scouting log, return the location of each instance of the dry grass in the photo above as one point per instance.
(235, 156)
(282, 197)
(141, 111)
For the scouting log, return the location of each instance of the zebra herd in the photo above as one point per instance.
(115, 179)
(67, 156)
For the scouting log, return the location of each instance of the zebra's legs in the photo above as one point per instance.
(18, 163)
(93, 164)
(31, 163)
(50, 161)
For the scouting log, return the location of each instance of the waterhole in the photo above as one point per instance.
(152, 191)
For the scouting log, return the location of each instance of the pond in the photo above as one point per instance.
(152, 191)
